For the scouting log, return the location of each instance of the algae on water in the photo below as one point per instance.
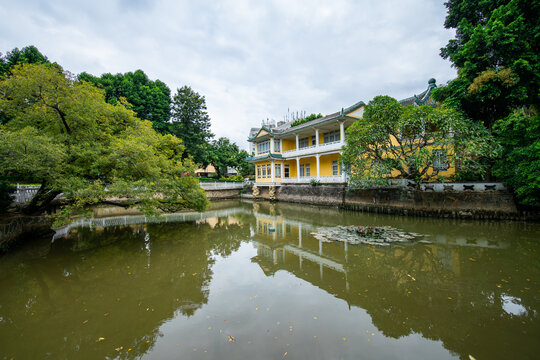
(374, 235)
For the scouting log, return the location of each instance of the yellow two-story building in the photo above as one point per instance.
(310, 151)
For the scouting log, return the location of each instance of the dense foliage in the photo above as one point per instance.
(497, 53)
(408, 140)
(149, 99)
(27, 55)
(223, 153)
(63, 132)
(306, 119)
(191, 123)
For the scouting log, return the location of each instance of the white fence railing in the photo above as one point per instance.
(448, 187)
(308, 179)
(334, 145)
(25, 193)
(223, 185)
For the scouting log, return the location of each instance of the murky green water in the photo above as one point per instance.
(223, 286)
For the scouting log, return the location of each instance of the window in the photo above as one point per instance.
(307, 170)
(263, 147)
(331, 137)
(313, 141)
(439, 160)
(263, 170)
(268, 170)
(277, 145)
(258, 171)
(302, 170)
(303, 143)
(278, 171)
(287, 171)
(335, 168)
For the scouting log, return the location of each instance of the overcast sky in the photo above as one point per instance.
(251, 60)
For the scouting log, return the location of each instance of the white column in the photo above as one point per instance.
(297, 165)
(256, 175)
(271, 145)
(318, 166)
(300, 235)
(342, 132)
(273, 170)
(317, 137)
(297, 143)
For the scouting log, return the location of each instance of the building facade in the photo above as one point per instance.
(310, 151)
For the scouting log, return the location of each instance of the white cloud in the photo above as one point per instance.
(251, 60)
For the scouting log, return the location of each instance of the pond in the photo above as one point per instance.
(250, 280)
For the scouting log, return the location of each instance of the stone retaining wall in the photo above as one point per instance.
(216, 194)
(402, 201)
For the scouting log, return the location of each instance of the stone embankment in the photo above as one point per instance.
(496, 204)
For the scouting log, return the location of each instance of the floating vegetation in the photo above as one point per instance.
(374, 235)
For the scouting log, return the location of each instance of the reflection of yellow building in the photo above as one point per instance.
(311, 151)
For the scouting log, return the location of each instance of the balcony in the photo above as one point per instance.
(322, 179)
(312, 150)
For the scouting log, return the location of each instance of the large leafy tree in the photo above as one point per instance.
(27, 55)
(223, 153)
(149, 99)
(497, 53)
(64, 133)
(519, 133)
(191, 123)
(409, 140)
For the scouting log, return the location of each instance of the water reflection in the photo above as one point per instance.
(474, 287)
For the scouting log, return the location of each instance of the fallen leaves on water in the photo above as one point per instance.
(119, 348)
(412, 277)
(85, 321)
(315, 318)
(100, 339)
(472, 259)
(232, 338)
(471, 357)
(344, 339)
(106, 314)
(284, 354)
(499, 286)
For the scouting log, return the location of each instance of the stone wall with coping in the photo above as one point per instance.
(217, 194)
(465, 204)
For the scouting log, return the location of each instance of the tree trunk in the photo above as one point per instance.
(41, 201)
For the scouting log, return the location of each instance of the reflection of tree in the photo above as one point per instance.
(119, 283)
(450, 293)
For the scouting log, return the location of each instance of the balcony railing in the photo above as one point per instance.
(334, 145)
(307, 179)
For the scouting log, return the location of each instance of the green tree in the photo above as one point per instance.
(519, 134)
(306, 119)
(224, 153)
(497, 54)
(63, 132)
(149, 99)
(409, 140)
(191, 123)
(27, 55)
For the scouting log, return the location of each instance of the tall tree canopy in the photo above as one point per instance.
(223, 153)
(27, 55)
(191, 123)
(149, 99)
(409, 140)
(497, 53)
(63, 132)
